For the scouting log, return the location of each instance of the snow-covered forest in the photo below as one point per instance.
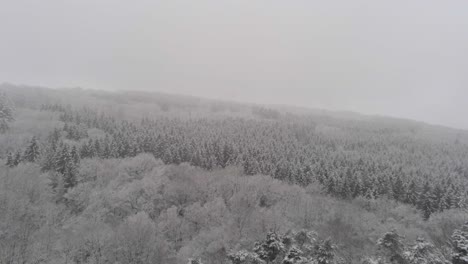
(131, 177)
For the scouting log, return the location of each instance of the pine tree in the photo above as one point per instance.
(424, 252)
(48, 157)
(437, 196)
(69, 176)
(75, 156)
(32, 151)
(17, 160)
(391, 244)
(195, 261)
(245, 257)
(6, 113)
(91, 149)
(330, 185)
(57, 186)
(10, 160)
(66, 166)
(97, 148)
(293, 256)
(398, 189)
(226, 156)
(270, 248)
(324, 252)
(84, 151)
(114, 149)
(460, 245)
(426, 202)
(345, 191)
(62, 159)
(54, 137)
(106, 152)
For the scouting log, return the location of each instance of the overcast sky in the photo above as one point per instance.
(398, 58)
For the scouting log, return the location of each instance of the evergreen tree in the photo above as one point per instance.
(48, 157)
(54, 137)
(426, 202)
(294, 256)
(424, 252)
(62, 158)
(106, 152)
(32, 151)
(17, 160)
(398, 189)
(330, 185)
(114, 149)
(57, 186)
(391, 244)
(75, 156)
(195, 261)
(10, 160)
(245, 257)
(269, 249)
(460, 245)
(324, 252)
(97, 148)
(6, 113)
(437, 198)
(91, 149)
(84, 151)
(66, 166)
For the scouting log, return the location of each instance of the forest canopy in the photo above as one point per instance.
(126, 177)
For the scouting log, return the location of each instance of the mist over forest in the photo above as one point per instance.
(90, 176)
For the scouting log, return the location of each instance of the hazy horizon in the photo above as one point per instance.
(399, 59)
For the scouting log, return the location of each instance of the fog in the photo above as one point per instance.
(398, 58)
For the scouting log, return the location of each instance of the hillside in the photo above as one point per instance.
(157, 178)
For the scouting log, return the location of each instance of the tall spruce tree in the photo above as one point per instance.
(6, 112)
(426, 201)
(17, 160)
(66, 166)
(31, 154)
(411, 193)
(75, 156)
(10, 160)
(398, 189)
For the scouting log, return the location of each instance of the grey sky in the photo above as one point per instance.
(399, 58)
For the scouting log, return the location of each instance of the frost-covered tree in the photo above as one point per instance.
(325, 252)
(18, 158)
(372, 260)
(398, 189)
(301, 247)
(245, 257)
(136, 241)
(269, 249)
(426, 201)
(31, 154)
(392, 247)
(65, 164)
(10, 162)
(411, 193)
(6, 112)
(460, 245)
(423, 252)
(75, 156)
(195, 261)
(294, 256)
(57, 186)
